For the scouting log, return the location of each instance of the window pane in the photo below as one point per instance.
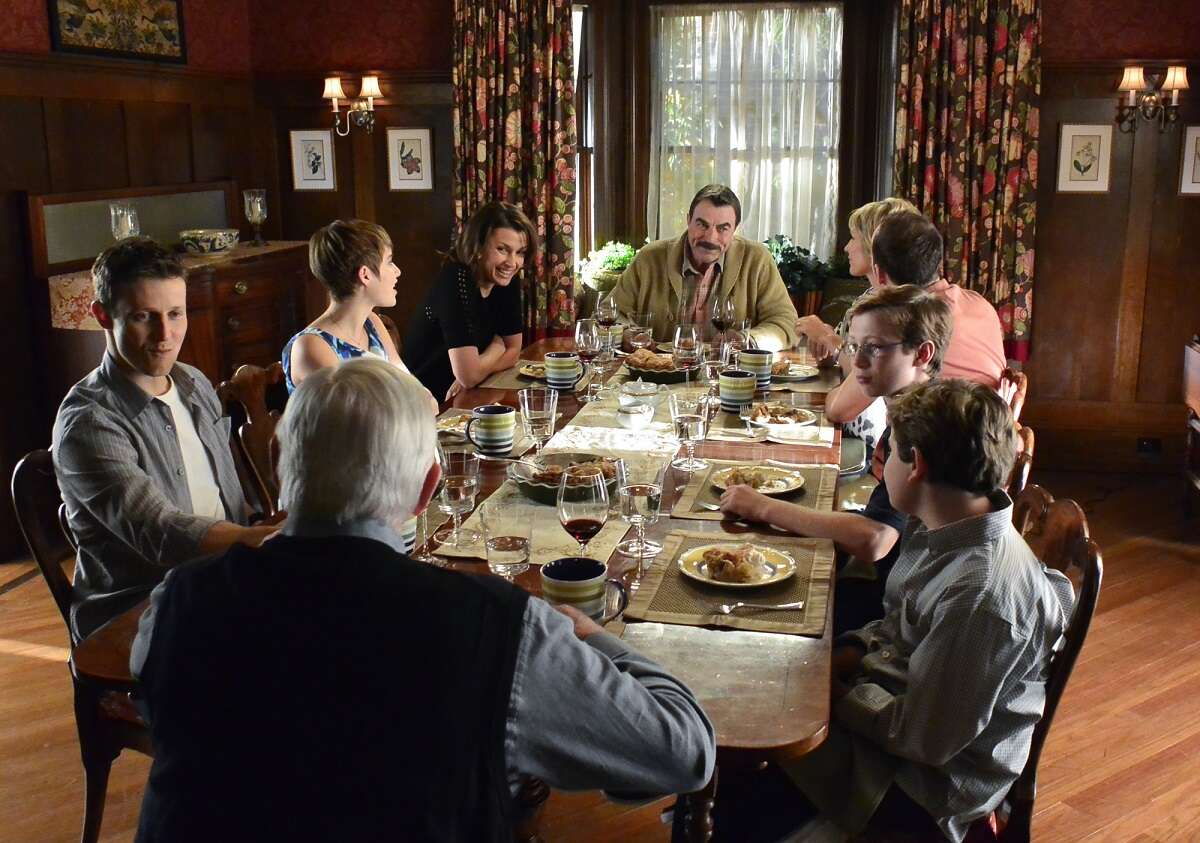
(748, 96)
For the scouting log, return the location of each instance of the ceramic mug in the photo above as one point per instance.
(563, 369)
(408, 536)
(737, 389)
(758, 361)
(583, 583)
(491, 429)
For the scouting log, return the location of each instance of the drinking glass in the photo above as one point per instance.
(732, 343)
(508, 531)
(421, 551)
(710, 362)
(639, 488)
(685, 350)
(124, 220)
(587, 342)
(690, 412)
(721, 312)
(606, 312)
(460, 479)
(255, 204)
(583, 505)
(641, 333)
(539, 409)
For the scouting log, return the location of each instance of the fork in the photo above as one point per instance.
(729, 609)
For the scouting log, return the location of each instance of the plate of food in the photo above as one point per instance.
(785, 371)
(657, 368)
(538, 479)
(455, 425)
(537, 371)
(741, 565)
(767, 479)
(780, 418)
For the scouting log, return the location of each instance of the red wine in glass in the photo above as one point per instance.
(583, 506)
(583, 530)
(606, 320)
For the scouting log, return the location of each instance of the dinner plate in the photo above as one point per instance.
(803, 417)
(776, 566)
(780, 481)
(455, 425)
(537, 371)
(797, 372)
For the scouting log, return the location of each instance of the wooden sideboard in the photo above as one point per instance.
(1191, 397)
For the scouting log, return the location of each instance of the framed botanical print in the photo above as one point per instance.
(135, 29)
(1189, 177)
(313, 165)
(1084, 157)
(410, 159)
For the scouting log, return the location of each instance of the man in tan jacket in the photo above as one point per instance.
(677, 280)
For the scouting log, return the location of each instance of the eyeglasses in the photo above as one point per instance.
(870, 349)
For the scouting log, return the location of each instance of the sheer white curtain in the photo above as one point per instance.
(748, 96)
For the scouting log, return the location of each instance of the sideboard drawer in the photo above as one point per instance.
(253, 323)
(237, 289)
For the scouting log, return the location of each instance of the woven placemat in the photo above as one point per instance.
(667, 596)
(511, 379)
(820, 483)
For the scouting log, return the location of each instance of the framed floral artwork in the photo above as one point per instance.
(1189, 177)
(410, 159)
(132, 29)
(313, 165)
(1084, 157)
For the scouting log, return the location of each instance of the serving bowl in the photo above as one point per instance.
(207, 241)
(522, 474)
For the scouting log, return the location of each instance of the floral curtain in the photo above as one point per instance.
(514, 136)
(966, 142)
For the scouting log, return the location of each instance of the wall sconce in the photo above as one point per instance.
(1151, 104)
(359, 112)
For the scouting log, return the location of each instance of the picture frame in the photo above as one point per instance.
(410, 159)
(149, 30)
(314, 165)
(1189, 169)
(1084, 157)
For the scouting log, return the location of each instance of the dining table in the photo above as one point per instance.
(767, 694)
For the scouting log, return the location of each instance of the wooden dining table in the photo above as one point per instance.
(767, 694)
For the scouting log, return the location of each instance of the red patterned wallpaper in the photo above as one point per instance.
(313, 36)
(217, 32)
(1079, 30)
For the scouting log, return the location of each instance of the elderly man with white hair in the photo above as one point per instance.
(326, 687)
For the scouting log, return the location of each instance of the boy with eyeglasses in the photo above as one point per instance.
(897, 339)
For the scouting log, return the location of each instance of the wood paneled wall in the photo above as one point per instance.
(1115, 291)
(71, 123)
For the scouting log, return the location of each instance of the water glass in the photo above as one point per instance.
(690, 413)
(124, 220)
(539, 409)
(641, 332)
(460, 485)
(639, 488)
(508, 535)
(685, 350)
(583, 505)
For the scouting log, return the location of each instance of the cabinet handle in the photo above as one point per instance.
(241, 287)
(234, 323)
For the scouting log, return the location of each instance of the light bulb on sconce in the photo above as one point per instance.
(359, 112)
(1142, 99)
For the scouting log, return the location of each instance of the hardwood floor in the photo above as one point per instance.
(1120, 765)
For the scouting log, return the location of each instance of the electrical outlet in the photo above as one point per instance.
(1149, 445)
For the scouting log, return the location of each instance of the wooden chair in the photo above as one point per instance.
(1018, 478)
(105, 717)
(246, 397)
(393, 331)
(1013, 385)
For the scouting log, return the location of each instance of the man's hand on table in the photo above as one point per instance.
(744, 502)
(585, 627)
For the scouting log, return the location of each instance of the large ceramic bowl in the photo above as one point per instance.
(207, 241)
(524, 475)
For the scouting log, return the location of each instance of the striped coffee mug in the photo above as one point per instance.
(736, 389)
(563, 369)
(583, 583)
(758, 361)
(491, 429)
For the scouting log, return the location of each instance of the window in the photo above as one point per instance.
(748, 96)
(581, 35)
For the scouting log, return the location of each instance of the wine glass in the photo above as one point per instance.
(421, 551)
(583, 504)
(689, 415)
(641, 332)
(460, 479)
(639, 489)
(721, 313)
(508, 528)
(124, 220)
(606, 312)
(539, 409)
(731, 347)
(587, 342)
(255, 204)
(685, 349)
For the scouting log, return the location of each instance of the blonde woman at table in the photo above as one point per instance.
(327, 687)
(470, 324)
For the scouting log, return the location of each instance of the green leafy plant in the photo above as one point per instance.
(802, 271)
(612, 257)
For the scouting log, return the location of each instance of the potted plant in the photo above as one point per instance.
(804, 274)
(602, 268)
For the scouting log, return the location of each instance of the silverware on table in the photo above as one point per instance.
(728, 608)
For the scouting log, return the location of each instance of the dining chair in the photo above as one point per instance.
(248, 397)
(1013, 385)
(1018, 478)
(393, 331)
(105, 717)
(1057, 531)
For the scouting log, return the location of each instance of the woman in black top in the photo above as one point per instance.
(470, 324)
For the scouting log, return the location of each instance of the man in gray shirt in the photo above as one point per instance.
(141, 448)
(409, 697)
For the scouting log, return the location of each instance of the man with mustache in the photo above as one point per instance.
(677, 280)
(141, 448)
